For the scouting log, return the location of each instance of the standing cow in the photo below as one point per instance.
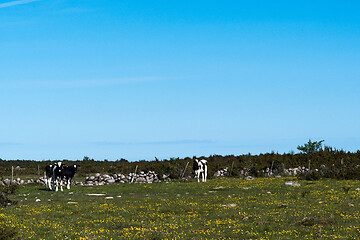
(200, 168)
(49, 181)
(57, 175)
(52, 173)
(68, 174)
(64, 174)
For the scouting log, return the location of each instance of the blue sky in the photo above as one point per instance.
(138, 79)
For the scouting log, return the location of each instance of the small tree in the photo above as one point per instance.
(311, 147)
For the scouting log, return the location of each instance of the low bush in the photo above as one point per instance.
(4, 192)
(310, 175)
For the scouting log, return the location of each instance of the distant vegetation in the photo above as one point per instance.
(333, 164)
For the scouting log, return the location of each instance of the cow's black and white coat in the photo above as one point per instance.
(49, 180)
(200, 168)
(51, 174)
(68, 174)
(59, 174)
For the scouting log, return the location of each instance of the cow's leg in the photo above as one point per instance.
(61, 185)
(56, 185)
(205, 173)
(52, 184)
(198, 176)
(47, 184)
(68, 183)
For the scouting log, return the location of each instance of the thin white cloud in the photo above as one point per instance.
(14, 3)
(82, 83)
(170, 142)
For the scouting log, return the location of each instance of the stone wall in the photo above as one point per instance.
(222, 173)
(142, 177)
(18, 181)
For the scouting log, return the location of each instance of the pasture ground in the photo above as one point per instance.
(226, 208)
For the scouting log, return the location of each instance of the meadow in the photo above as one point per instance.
(226, 208)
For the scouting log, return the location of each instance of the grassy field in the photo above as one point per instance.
(225, 208)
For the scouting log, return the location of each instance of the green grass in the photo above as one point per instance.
(219, 209)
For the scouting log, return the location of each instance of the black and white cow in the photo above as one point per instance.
(49, 176)
(58, 175)
(68, 173)
(50, 171)
(200, 168)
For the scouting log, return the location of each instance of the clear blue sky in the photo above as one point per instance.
(138, 79)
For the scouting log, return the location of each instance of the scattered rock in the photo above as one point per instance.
(230, 205)
(7, 182)
(295, 184)
(247, 217)
(96, 194)
(249, 178)
(307, 221)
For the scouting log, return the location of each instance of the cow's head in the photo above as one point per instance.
(196, 166)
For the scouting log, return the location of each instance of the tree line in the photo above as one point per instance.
(333, 163)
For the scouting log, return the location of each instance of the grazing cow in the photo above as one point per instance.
(49, 176)
(200, 168)
(68, 174)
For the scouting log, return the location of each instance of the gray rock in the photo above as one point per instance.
(249, 178)
(296, 184)
(7, 182)
(140, 179)
(110, 180)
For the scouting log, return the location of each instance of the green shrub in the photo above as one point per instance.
(310, 175)
(11, 189)
(4, 192)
